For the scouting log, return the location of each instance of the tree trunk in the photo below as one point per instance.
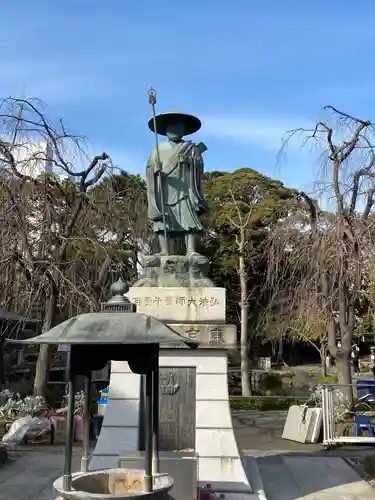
(245, 378)
(323, 359)
(45, 350)
(245, 365)
(280, 352)
(344, 374)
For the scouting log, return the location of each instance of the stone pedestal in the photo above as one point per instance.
(194, 404)
(180, 305)
(219, 459)
(182, 271)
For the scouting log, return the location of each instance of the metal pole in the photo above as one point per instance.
(148, 432)
(67, 479)
(142, 418)
(331, 414)
(67, 371)
(324, 410)
(155, 420)
(152, 101)
(86, 424)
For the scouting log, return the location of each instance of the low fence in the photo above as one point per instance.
(348, 413)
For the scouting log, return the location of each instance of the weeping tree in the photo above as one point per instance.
(45, 179)
(323, 262)
(127, 229)
(109, 238)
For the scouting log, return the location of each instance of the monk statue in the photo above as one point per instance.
(174, 181)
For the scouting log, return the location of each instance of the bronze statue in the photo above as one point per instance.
(174, 181)
(175, 201)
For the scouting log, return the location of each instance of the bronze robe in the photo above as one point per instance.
(181, 181)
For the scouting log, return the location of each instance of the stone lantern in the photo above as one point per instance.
(121, 334)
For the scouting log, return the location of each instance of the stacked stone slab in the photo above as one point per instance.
(195, 410)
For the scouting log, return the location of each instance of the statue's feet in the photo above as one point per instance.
(192, 253)
(152, 260)
(146, 282)
(197, 261)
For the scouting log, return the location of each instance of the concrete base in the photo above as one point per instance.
(219, 460)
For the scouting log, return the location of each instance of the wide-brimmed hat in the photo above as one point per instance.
(190, 123)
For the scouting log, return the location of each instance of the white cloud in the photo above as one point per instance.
(265, 133)
(30, 157)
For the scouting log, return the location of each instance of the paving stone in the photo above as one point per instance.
(31, 476)
(321, 478)
(277, 479)
(283, 465)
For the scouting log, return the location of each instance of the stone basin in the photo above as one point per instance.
(116, 484)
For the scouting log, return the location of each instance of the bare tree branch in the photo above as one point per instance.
(320, 265)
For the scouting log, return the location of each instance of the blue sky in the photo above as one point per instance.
(250, 71)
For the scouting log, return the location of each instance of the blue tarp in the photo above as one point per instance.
(365, 388)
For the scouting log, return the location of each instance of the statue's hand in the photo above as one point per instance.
(201, 206)
(155, 216)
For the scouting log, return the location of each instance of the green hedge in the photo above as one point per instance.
(330, 379)
(263, 403)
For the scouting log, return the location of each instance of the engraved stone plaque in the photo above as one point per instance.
(179, 305)
(212, 335)
(176, 408)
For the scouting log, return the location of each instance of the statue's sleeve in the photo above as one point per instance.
(153, 194)
(196, 182)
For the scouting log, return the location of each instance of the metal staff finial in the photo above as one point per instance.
(152, 96)
(158, 167)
